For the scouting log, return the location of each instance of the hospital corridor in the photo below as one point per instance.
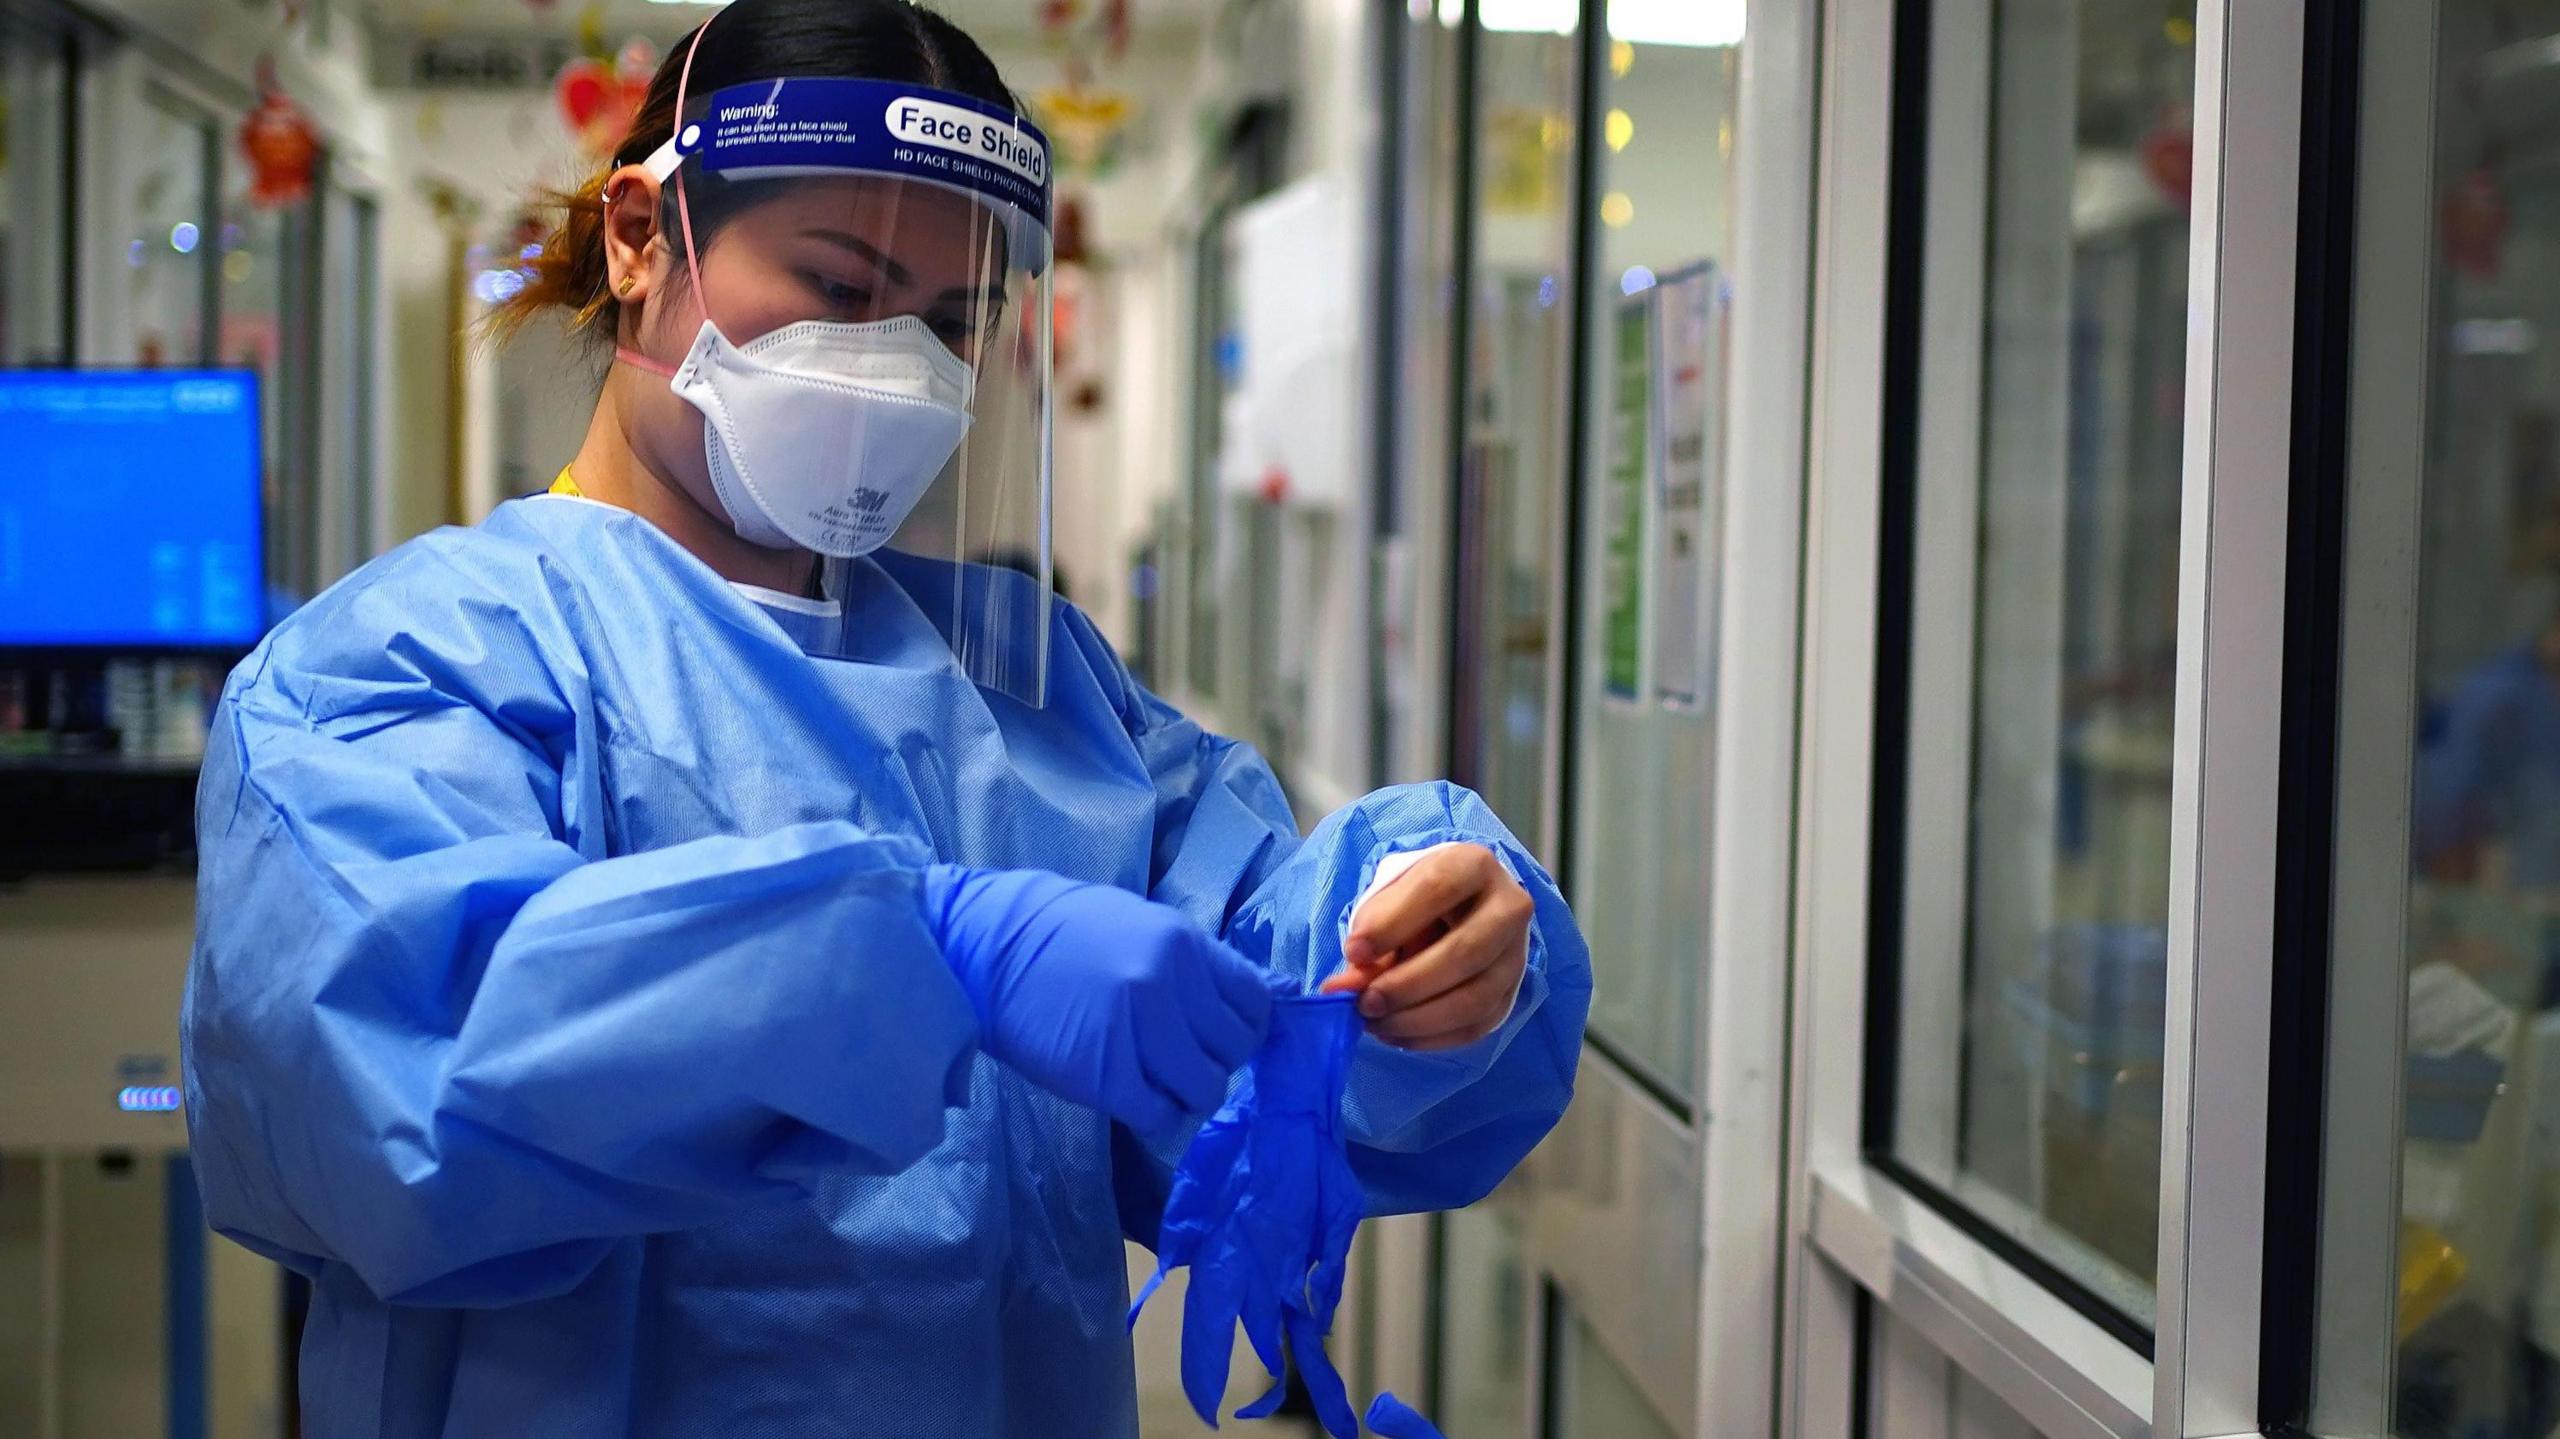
(1433, 719)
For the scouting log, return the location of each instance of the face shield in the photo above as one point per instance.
(873, 263)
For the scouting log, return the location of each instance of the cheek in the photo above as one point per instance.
(751, 300)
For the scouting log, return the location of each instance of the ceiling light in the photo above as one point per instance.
(1642, 22)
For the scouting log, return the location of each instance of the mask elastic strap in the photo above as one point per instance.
(684, 204)
(639, 361)
(669, 162)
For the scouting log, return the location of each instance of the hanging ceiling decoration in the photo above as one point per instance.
(599, 99)
(280, 144)
(1087, 116)
(2169, 155)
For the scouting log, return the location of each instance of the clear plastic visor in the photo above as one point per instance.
(825, 242)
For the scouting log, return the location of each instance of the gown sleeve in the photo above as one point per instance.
(1428, 1131)
(430, 1035)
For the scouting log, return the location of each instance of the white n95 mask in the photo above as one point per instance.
(823, 435)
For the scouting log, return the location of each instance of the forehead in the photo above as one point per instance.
(943, 238)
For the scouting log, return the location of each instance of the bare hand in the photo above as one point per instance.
(1437, 956)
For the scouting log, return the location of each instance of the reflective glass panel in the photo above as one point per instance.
(170, 260)
(1517, 388)
(1653, 514)
(1484, 1323)
(1595, 1396)
(34, 198)
(2044, 628)
(2478, 1281)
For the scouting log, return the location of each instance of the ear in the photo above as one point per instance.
(634, 258)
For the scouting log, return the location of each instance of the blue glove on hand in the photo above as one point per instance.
(1096, 994)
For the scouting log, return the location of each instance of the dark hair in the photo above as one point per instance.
(751, 40)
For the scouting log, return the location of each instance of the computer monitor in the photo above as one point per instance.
(131, 510)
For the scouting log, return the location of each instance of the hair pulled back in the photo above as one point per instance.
(750, 40)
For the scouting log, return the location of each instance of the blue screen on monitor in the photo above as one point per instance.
(130, 511)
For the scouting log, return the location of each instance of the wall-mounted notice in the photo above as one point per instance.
(1687, 569)
(1625, 494)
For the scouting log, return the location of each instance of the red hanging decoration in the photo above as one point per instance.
(280, 144)
(2169, 157)
(2475, 220)
(598, 101)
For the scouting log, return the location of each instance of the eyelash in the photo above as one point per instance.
(851, 297)
(830, 290)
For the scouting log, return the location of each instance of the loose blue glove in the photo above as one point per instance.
(1096, 994)
(1263, 1211)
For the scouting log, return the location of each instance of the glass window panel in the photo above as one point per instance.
(171, 259)
(1594, 1395)
(34, 198)
(1228, 589)
(347, 378)
(1518, 384)
(2478, 1286)
(1416, 500)
(2044, 635)
(1484, 1322)
(1653, 529)
(1213, 564)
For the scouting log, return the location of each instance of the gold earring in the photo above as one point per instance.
(629, 284)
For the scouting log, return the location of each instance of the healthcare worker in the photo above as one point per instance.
(693, 955)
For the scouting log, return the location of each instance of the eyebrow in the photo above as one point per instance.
(899, 274)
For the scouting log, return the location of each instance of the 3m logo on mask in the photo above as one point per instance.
(870, 503)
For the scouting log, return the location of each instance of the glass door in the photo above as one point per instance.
(36, 239)
(350, 280)
(2440, 1301)
(1517, 390)
(2043, 638)
(1614, 313)
(173, 257)
(1518, 99)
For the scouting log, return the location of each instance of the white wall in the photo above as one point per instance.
(494, 152)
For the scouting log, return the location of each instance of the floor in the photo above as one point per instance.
(1159, 1419)
(1162, 1411)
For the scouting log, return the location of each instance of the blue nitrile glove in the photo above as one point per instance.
(1096, 994)
(1263, 1210)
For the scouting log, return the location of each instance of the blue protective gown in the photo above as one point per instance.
(563, 1008)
